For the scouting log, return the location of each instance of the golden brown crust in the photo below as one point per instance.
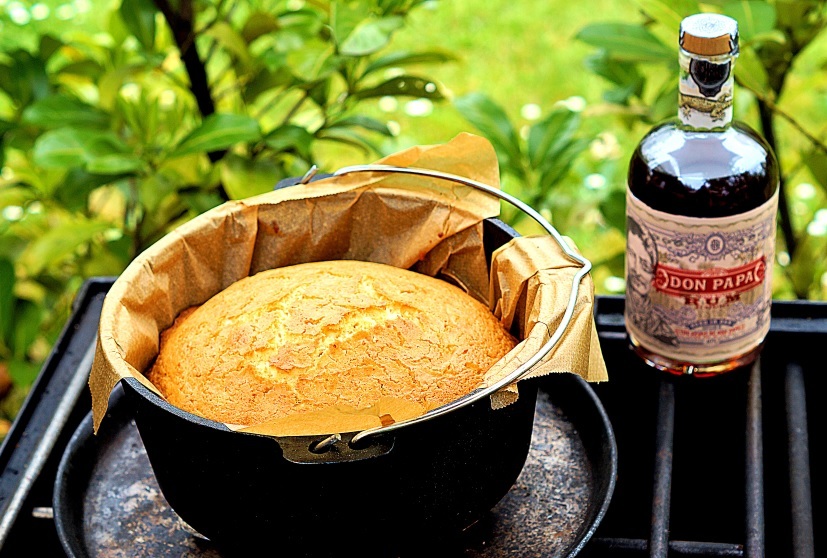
(313, 335)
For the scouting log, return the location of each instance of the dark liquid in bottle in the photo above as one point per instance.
(703, 174)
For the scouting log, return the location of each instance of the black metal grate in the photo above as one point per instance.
(728, 470)
(718, 467)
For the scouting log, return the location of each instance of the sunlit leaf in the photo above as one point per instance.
(753, 16)
(669, 13)
(626, 41)
(15, 195)
(57, 243)
(219, 131)
(63, 147)
(230, 39)
(315, 60)
(114, 164)
(98, 152)
(243, 177)
(345, 17)
(370, 36)
(750, 72)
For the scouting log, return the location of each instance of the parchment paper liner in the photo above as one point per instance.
(428, 225)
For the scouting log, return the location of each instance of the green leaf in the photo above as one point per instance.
(370, 36)
(753, 16)
(363, 122)
(314, 61)
(345, 17)
(15, 195)
(548, 138)
(490, 119)
(266, 80)
(25, 79)
(669, 13)
(259, 24)
(200, 201)
(57, 243)
(773, 36)
(28, 320)
(348, 137)
(750, 72)
(553, 170)
(99, 152)
(320, 93)
(817, 163)
(114, 164)
(63, 147)
(6, 298)
(74, 190)
(4, 127)
(624, 74)
(217, 132)
(48, 46)
(290, 138)
(402, 85)
(57, 111)
(139, 18)
(230, 39)
(665, 104)
(405, 58)
(625, 41)
(23, 373)
(613, 208)
(85, 68)
(243, 177)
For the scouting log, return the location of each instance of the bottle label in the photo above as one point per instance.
(699, 290)
(705, 91)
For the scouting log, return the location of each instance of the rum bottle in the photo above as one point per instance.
(700, 220)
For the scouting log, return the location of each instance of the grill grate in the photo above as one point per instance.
(718, 467)
(695, 487)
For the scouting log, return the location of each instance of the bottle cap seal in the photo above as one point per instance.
(709, 35)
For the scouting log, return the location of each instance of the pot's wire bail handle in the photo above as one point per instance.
(524, 368)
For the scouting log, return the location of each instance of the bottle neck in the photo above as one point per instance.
(705, 92)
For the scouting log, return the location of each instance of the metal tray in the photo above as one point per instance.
(107, 502)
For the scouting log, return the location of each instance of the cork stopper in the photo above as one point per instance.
(709, 35)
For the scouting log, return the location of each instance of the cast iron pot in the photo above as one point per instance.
(244, 490)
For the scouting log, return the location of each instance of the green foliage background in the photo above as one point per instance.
(110, 137)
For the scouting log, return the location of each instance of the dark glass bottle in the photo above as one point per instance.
(701, 202)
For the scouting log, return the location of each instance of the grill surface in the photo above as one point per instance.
(718, 467)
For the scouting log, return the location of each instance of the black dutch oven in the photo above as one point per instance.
(301, 495)
(426, 479)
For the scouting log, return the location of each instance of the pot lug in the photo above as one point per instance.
(327, 449)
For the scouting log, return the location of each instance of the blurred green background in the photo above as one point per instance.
(120, 119)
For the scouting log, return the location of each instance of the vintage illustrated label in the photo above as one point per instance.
(699, 290)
